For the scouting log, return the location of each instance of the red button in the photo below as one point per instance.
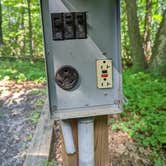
(104, 75)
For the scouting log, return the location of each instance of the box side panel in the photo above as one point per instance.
(48, 58)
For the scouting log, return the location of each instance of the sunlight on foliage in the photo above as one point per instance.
(22, 71)
(50, 163)
(144, 118)
(38, 91)
(34, 117)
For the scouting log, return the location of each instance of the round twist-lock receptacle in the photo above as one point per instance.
(67, 77)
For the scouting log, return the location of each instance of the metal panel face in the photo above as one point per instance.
(72, 66)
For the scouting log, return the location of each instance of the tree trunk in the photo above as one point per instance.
(136, 42)
(23, 42)
(147, 32)
(30, 29)
(1, 33)
(158, 60)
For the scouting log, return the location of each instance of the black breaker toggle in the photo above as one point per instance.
(67, 26)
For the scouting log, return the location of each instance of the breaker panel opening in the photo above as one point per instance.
(71, 25)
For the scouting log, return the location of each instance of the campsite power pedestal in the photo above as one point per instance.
(82, 52)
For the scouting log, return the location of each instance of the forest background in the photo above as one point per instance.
(143, 38)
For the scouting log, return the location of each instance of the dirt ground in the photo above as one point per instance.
(18, 104)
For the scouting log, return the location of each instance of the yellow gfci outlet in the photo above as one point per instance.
(104, 73)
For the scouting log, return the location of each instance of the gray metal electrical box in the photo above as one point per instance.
(82, 52)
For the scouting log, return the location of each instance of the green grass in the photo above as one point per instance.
(50, 163)
(34, 117)
(35, 114)
(22, 70)
(38, 91)
(144, 117)
(29, 137)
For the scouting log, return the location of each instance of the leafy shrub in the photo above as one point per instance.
(144, 117)
(22, 70)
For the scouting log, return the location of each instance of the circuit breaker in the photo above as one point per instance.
(82, 52)
(69, 25)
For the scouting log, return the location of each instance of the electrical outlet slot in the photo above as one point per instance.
(104, 73)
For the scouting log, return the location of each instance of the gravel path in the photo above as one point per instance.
(20, 106)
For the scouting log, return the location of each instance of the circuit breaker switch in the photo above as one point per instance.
(68, 25)
(81, 25)
(57, 26)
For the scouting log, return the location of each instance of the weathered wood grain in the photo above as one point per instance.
(101, 141)
(40, 148)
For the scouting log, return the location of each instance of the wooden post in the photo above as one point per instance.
(100, 140)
